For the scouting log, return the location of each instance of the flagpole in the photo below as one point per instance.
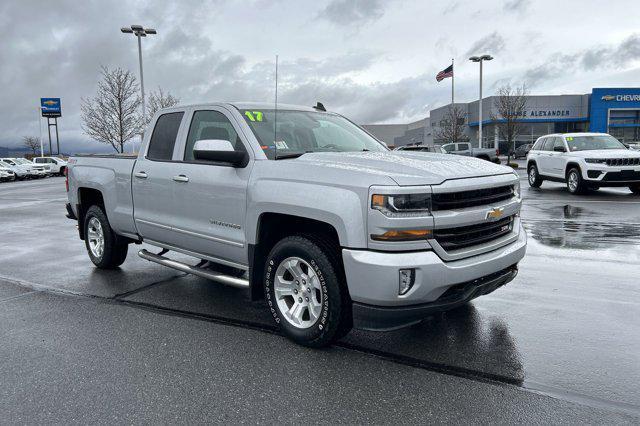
(452, 85)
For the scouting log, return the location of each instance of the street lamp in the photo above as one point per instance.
(480, 59)
(139, 31)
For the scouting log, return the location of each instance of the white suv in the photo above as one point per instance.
(584, 161)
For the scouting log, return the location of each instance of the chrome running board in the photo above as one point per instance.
(195, 270)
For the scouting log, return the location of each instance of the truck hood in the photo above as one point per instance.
(606, 153)
(407, 168)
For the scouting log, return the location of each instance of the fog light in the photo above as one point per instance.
(407, 278)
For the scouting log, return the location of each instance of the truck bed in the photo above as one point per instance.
(111, 175)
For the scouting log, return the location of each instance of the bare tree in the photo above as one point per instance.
(511, 108)
(31, 142)
(113, 115)
(158, 99)
(452, 126)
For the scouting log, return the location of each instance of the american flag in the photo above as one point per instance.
(445, 73)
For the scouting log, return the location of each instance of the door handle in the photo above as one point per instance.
(181, 178)
(140, 175)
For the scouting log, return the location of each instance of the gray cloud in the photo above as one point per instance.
(491, 44)
(353, 12)
(518, 6)
(593, 59)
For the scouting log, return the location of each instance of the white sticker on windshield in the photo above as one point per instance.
(281, 145)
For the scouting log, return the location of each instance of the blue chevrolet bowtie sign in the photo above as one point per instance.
(51, 107)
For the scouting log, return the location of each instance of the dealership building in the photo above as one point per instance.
(608, 110)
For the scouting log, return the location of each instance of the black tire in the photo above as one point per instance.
(335, 318)
(533, 176)
(580, 186)
(635, 189)
(484, 157)
(115, 250)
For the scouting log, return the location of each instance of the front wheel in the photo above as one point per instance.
(534, 177)
(305, 290)
(575, 183)
(635, 189)
(105, 248)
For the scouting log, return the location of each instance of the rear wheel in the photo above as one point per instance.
(575, 183)
(635, 189)
(306, 292)
(105, 248)
(534, 177)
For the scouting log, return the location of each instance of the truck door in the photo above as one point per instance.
(211, 197)
(155, 213)
(463, 149)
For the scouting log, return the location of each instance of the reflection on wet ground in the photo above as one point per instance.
(579, 228)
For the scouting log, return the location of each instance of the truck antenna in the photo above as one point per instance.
(275, 116)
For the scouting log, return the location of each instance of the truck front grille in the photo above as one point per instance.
(466, 236)
(623, 162)
(463, 199)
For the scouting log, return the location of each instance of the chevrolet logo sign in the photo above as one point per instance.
(608, 98)
(495, 213)
(50, 103)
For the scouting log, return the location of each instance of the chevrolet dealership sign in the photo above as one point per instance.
(621, 98)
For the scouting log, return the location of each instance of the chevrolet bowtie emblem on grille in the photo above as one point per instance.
(495, 213)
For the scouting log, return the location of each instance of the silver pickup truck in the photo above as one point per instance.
(307, 211)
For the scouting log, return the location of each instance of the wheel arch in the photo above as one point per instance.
(274, 226)
(570, 165)
(88, 197)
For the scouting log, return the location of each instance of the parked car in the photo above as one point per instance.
(583, 161)
(39, 170)
(522, 151)
(6, 174)
(464, 148)
(21, 172)
(56, 165)
(335, 230)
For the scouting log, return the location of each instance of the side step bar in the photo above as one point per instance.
(195, 270)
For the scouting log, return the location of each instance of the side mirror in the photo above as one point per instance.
(220, 151)
(559, 149)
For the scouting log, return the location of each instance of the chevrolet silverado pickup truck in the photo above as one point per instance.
(307, 211)
(465, 148)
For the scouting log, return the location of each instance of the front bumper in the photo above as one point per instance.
(372, 279)
(602, 175)
(383, 318)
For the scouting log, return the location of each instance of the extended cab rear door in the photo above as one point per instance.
(155, 211)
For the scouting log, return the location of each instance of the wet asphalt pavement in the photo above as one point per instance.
(561, 343)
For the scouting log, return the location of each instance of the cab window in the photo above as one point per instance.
(463, 146)
(449, 147)
(164, 136)
(210, 125)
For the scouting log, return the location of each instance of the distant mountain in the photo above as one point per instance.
(14, 151)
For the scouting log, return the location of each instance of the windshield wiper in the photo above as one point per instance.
(290, 155)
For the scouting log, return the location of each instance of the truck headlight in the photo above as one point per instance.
(596, 160)
(517, 191)
(402, 204)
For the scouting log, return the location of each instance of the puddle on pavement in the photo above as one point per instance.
(565, 229)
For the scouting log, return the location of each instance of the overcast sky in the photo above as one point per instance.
(372, 60)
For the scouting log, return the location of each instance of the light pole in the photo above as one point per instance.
(139, 31)
(480, 59)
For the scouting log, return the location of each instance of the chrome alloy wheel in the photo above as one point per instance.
(573, 181)
(95, 234)
(532, 175)
(298, 293)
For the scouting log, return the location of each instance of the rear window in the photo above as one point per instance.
(164, 136)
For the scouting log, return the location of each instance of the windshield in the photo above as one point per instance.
(586, 143)
(22, 161)
(299, 132)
